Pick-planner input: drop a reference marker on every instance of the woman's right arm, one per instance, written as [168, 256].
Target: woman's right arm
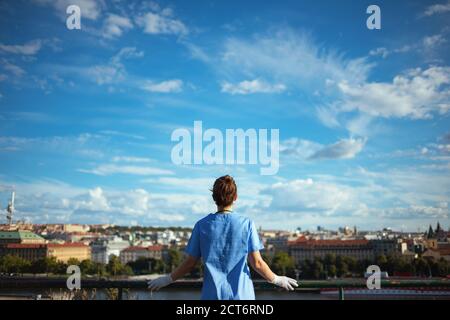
[260, 266]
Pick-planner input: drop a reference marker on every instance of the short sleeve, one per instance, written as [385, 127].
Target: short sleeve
[254, 243]
[193, 246]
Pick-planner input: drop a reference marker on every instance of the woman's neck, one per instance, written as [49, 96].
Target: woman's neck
[222, 209]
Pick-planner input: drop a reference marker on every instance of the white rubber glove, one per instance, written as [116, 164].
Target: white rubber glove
[284, 282]
[160, 282]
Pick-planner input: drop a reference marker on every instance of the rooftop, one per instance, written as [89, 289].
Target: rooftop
[302, 241]
[67, 245]
[19, 235]
[149, 248]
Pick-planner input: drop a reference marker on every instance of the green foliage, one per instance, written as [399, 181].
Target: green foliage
[174, 258]
[13, 264]
[115, 267]
[282, 263]
[342, 266]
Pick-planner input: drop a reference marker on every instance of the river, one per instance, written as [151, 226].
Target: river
[194, 294]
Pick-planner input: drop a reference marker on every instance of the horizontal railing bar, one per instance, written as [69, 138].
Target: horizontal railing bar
[54, 283]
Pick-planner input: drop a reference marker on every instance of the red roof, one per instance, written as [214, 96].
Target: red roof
[149, 248]
[156, 247]
[444, 251]
[320, 243]
[66, 245]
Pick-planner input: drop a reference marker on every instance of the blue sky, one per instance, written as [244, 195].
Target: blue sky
[86, 115]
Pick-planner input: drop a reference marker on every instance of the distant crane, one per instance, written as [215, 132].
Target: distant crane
[10, 209]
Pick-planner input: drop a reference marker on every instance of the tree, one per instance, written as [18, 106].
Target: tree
[174, 259]
[332, 270]
[382, 261]
[92, 268]
[13, 264]
[114, 266]
[422, 267]
[73, 261]
[282, 263]
[442, 268]
[342, 267]
[318, 270]
[330, 259]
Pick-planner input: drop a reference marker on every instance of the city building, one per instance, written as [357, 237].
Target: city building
[20, 236]
[386, 247]
[303, 249]
[103, 249]
[30, 252]
[81, 228]
[134, 253]
[65, 251]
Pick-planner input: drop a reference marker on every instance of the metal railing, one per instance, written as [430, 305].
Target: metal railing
[23, 283]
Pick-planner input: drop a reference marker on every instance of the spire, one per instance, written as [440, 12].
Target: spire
[430, 233]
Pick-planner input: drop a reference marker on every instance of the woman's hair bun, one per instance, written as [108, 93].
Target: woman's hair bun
[224, 191]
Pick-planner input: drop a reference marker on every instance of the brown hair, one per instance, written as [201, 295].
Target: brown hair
[224, 191]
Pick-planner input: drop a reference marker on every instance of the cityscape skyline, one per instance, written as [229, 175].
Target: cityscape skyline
[297, 229]
[363, 115]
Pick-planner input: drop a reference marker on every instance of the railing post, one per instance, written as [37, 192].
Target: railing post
[341, 293]
[119, 293]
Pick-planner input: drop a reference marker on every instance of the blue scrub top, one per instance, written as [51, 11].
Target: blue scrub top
[223, 241]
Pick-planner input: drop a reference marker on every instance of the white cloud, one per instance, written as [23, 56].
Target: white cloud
[381, 51]
[432, 41]
[12, 69]
[155, 23]
[384, 52]
[167, 86]
[114, 71]
[437, 9]
[441, 210]
[197, 52]
[186, 184]
[51, 201]
[288, 57]
[252, 86]
[115, 25]
[90, 9]
[29, 48]
[95, 200]
[342, 149]
[107, 74]
[426, 45]
[415, 94]
[130, 159]
[85, 144]
[306, 195]
[378, 199]
[305, 149]
[109, 169]
[299, 148]
[328, 115]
